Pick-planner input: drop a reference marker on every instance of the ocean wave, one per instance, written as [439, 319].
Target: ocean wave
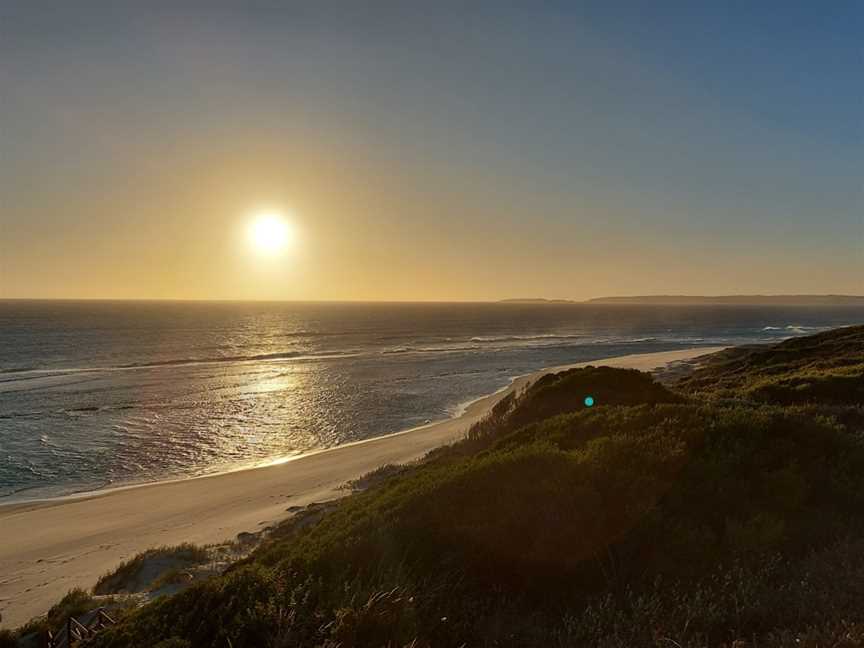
[15, 415]
[795, 328]
[524, 342]
[46, 442]
[491, 339]
[315, 334]
[279, 355]
[803, 330]
[22, 374]
[413, 349]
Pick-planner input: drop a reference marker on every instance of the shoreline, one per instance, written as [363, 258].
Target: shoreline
[460, 411]
[11, 501]
[52, 545]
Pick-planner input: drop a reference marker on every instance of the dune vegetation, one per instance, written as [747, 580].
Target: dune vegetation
[819, 369]
[149, 567]
[727, 507]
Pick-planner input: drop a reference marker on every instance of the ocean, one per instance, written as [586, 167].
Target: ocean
[101, 394]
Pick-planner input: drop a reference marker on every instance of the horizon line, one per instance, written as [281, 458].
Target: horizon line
[551, 300]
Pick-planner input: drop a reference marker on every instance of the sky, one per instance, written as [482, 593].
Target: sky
[431, 151]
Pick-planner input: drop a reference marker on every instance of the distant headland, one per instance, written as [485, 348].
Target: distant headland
[537, 300]
[686, 300]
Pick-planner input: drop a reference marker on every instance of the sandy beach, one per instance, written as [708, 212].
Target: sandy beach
[49, 547]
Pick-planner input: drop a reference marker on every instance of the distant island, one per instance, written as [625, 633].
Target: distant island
[536, 300]
[687, 300]
[742, 300]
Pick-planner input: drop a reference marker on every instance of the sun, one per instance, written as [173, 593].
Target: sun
[269, 232]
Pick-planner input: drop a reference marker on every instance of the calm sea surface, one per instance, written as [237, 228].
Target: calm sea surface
[95, 394]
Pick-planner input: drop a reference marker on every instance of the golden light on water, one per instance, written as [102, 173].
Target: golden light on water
[270, 232]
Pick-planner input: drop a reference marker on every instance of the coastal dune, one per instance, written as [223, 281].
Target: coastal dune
[49, 547]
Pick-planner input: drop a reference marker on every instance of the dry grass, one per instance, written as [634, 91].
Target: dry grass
[141, 572]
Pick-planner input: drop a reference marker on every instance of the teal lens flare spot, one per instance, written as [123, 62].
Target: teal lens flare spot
[589, 401]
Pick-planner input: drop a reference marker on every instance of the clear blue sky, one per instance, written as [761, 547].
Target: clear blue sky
[428, 150]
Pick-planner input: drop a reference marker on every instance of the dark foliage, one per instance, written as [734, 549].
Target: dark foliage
[827, 368]
[560, 393]
[566, 391]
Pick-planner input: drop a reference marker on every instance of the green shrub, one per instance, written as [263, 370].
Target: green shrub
[564, 392]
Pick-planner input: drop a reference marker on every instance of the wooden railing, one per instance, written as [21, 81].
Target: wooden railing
[75, 631]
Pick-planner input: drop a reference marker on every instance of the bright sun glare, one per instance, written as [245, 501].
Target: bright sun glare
[269, 232]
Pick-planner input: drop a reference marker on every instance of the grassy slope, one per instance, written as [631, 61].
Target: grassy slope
[651, 516]
[824, 368]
